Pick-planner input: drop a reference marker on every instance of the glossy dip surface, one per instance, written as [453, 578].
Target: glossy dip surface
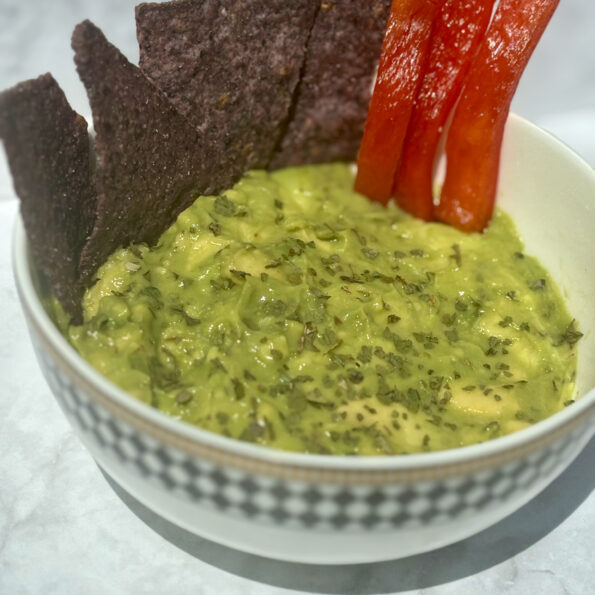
[292, 312]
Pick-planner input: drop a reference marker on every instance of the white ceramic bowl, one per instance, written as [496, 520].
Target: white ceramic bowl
[338, 510]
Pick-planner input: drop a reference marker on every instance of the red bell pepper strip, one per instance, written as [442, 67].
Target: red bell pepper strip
[456, 35]
[402, 58]
[475, 136]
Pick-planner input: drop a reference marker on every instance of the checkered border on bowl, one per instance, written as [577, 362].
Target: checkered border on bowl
[301, 497]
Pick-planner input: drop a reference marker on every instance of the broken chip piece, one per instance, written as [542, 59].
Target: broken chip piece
[48, 152]
[151, 163]
[230, 67]
[329, 114]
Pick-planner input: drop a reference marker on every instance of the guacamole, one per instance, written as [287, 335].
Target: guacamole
[292, 312]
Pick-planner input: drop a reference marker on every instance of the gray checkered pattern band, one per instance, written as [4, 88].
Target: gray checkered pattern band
[295, 503]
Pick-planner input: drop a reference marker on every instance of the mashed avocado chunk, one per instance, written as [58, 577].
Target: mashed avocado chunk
[292, 312]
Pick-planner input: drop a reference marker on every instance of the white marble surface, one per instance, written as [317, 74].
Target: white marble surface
[64, 529]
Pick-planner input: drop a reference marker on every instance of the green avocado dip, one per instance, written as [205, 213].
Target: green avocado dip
[294, 313]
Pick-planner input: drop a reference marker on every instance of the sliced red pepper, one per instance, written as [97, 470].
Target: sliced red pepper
[475, 136]
[456, 35]
[403, 55]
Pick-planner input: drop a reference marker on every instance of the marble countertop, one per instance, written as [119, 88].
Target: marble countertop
[65, 529]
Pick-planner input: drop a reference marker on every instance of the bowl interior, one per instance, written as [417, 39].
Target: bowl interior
[550, 193]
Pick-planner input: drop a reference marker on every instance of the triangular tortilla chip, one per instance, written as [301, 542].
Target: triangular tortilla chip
[328, 118]
[231, 67]
[150, 163]
[48, 151]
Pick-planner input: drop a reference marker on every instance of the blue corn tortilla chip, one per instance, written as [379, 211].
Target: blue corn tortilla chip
[329, 114]
[151, 163]
[230, 67]
[48, 152]
[229, 85]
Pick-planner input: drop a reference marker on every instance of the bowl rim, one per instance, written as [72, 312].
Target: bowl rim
[223, 450]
